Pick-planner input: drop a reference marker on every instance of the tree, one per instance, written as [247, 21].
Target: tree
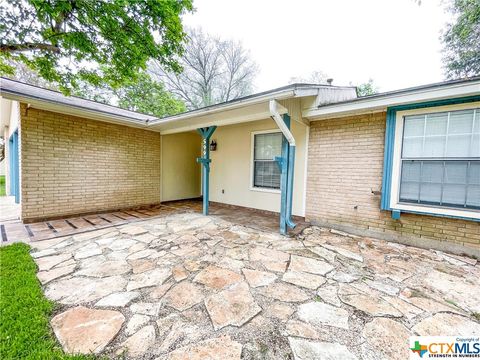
[95, 41]
[150, 97]
[143, 95]
[461, 40]
[316, 77]
[26, 75]
[367, 88]
[214, 71]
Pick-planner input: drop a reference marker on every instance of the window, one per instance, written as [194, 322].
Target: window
[266, 172]
[440, 159]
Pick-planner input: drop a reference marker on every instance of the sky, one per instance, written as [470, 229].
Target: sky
[394, 42]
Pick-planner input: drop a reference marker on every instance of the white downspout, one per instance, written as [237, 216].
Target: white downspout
[273, 105]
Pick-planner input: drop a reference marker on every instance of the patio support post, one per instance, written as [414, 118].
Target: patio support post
[287, 164]
[205, 160]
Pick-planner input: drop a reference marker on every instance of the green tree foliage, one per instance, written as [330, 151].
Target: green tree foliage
[367, 88]
[461, 40]
[149, 97]
[143, 94]
[108, 41]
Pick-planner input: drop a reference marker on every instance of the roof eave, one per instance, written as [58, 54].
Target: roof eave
[293, 91]
[223, 107]
[45, 104]
[383, 101]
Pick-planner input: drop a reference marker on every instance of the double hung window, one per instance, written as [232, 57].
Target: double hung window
[266, 173]
[440, 159]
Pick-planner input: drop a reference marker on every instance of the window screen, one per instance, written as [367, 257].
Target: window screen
[441, 159]
[266, 173]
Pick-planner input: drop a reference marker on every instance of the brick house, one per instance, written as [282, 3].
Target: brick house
[403, 166]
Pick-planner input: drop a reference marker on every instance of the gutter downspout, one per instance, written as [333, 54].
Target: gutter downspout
[273, 105]
[287, 165]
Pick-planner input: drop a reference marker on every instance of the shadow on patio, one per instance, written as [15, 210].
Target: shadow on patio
[14, 230]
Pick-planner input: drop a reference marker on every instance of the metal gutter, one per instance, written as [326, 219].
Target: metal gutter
[15, 90]
[285, 92]
[437, 91]
[86, 112]
[220, 107]
[414, 89]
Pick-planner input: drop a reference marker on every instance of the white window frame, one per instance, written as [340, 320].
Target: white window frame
[252, 161]
[395, 203]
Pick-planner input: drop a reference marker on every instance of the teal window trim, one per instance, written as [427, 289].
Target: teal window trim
[388, 158]
[390, 142]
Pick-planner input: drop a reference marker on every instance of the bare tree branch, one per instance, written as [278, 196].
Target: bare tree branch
[214, 71]
[6, 48]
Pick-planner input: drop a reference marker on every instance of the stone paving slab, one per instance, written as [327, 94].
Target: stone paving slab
[186, 286]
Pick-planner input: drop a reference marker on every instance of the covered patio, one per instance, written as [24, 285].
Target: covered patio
[134, 160]
[13, 230]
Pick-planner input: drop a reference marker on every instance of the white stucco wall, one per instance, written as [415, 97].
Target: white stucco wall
[179, 170]
[231, 167]
[9, 121]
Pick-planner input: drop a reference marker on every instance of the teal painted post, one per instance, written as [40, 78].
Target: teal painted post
[205, 160]
[290, 170]
[286, 163]
[283, 163]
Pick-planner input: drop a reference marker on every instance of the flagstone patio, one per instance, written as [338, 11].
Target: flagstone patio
[186, 286]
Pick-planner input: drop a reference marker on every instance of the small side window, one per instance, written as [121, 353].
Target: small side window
[266, 173]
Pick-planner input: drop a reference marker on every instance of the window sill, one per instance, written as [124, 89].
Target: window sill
[437, 211]
[273, 191]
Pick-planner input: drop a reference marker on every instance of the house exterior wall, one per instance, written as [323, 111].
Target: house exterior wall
[180, 170]
[10, 111]
[231, 167]
[72, 165]
[345, 163]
